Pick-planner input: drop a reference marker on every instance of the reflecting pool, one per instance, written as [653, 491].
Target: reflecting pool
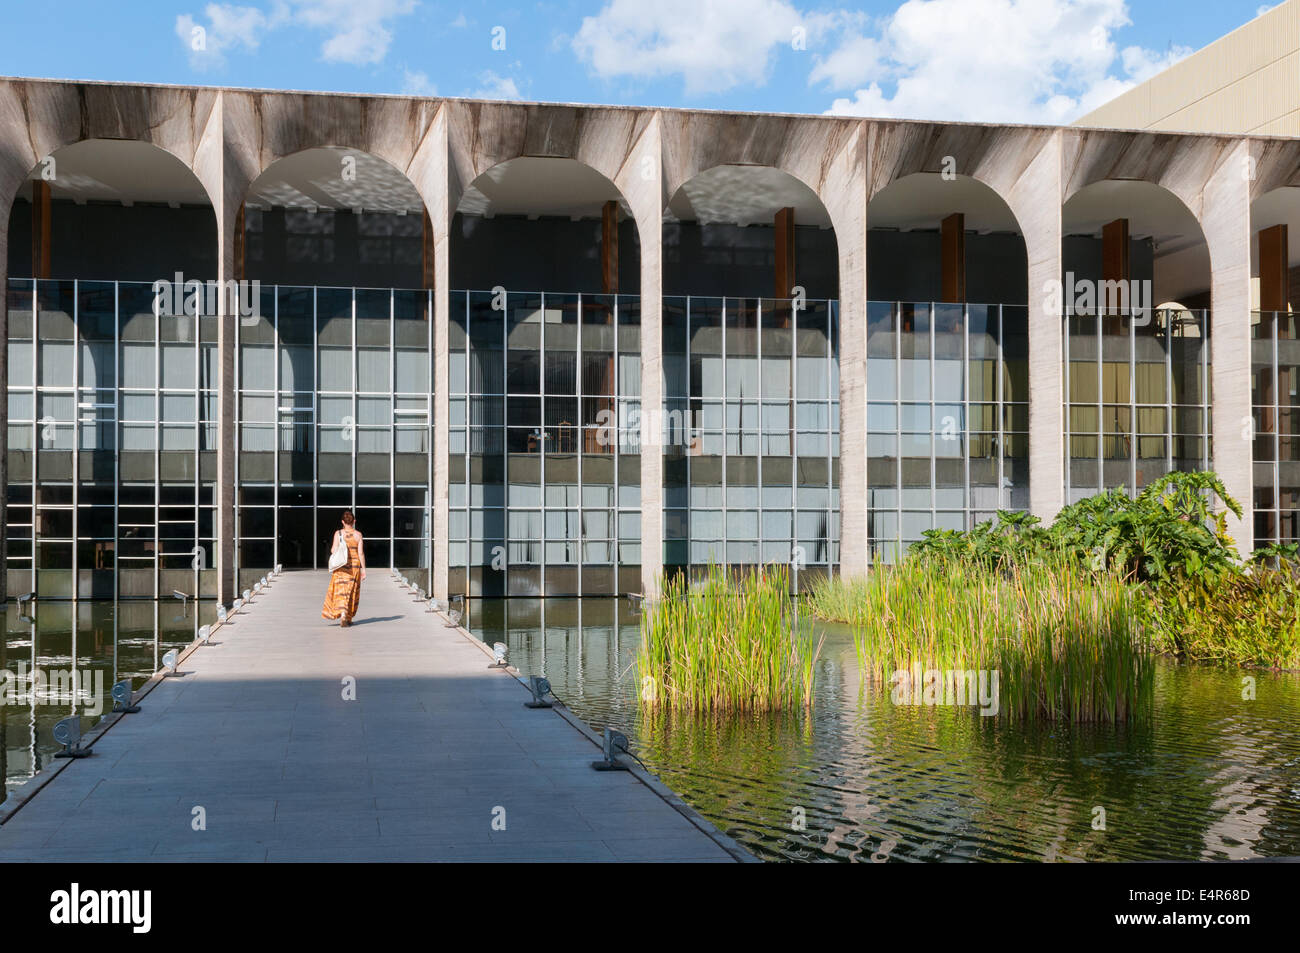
[1212, 776]
[63, 658]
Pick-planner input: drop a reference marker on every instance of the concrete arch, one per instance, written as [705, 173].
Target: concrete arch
[924, 199]
[1155, 210]
[183, 122]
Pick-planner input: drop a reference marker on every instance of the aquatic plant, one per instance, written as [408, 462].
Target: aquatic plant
[730, 642]
[1064, 644]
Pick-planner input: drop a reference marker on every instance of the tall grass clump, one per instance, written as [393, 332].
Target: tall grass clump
[1067, 645]
[726, 643]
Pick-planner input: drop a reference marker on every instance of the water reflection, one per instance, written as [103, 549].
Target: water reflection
[1211, 776]
[63, 658]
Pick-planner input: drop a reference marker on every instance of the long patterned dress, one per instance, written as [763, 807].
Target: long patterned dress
[344, 593]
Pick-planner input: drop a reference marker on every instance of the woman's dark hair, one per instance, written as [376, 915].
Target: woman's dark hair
[348, 518]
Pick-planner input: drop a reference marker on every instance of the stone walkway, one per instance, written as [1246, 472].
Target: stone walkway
[258, 743]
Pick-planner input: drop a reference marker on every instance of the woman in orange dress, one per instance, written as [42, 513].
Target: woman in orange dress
[345, 582]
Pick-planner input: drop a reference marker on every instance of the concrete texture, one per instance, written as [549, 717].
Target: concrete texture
[258, 734]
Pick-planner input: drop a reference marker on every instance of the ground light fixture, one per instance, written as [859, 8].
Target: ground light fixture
[499, 654]
[262, 583]
[613, 743]
[169, 662]
[205, 634]
[279, 568]
[248, 595]
[540, 687]
[221, 613]
[68, 733]
[436, 605]
[236, 605]
[124, 697]
[454, 615]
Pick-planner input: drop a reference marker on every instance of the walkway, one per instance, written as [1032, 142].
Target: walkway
[256, 755]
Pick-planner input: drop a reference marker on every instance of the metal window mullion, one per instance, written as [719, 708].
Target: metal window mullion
[898, 429]
[275, 432]
[582, 532]
[430, 436]
[315, 419]
[968, 495]
[76, 446]
[934, 488]
[1132, 403]
[1001, 410]
[392, 433]
[356, 382]
[198, 443]
[1101, 403]
[726, 440]
[1067, 406]
[36, 450]
[541, 430]
[1277, 433]
[157, 453]
[117, 451]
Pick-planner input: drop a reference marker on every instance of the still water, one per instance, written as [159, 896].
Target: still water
[62, 658]
[1212, 776]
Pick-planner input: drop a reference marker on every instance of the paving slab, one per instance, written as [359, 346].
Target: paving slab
[290, 738]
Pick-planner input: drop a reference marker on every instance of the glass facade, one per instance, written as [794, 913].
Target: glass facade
[335, 392]
[112, 431]
[1275, 389]
[112, 443]
[1137, 399]
[947, 418]
[751, 435]
[544, 488]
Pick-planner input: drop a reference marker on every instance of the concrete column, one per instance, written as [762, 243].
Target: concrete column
[848, 209]
[213, 169]
[430, 170]
[641, 181]
[1225, 220]
[1036, 200]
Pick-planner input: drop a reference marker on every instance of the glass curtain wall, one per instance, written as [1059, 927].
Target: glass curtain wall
[947, 418]
[545, 472]
[751, 454]
[1275, 385]
[1137, 399]
[112, 442]
[335, 399]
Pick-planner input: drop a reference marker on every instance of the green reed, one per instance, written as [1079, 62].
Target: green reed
[729, 642]
[1067, 644]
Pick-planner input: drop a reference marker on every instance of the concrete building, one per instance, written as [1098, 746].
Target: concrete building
[1245, 83]
[557, 349]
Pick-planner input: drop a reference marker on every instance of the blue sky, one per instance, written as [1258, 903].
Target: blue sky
[991, 60]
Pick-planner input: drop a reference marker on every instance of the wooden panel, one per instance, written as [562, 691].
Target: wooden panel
[1274, 275]
[1114, 267]
[40, 229]
[952, 242]
[609, 248]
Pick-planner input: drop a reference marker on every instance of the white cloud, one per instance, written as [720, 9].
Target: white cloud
[416, 83]
[495, 87]
[356, 31]
[713, 45]
[855, 61]
[460, 22]
[992, 60]
[229, 27]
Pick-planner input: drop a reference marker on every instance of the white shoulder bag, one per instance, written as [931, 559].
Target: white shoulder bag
[339, 558]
